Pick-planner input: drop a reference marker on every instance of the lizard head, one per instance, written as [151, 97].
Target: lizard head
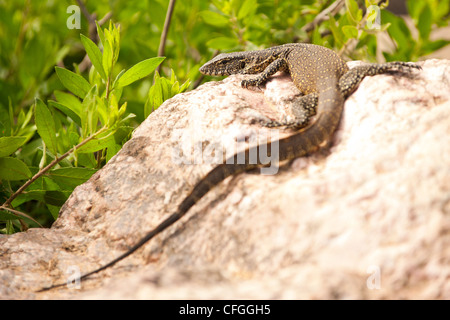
[224, 64]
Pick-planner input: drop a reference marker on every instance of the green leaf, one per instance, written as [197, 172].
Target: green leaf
[9, 227]
[440, 11]
[54, 210]
[112, 150]
[67, 111]
[415, 8]
[23, 121]
[37, 195]
[33, 59]
[70, 101]
[116, 41]
[5, 215]
[111, 47]
[117, 78]
[94, 54]
[155, 96]
[353, 10]
[100, 33]
[425, 22]
[247, 9]
[350, 32]
[165, 87]
[11, 113]
[139, 71]
[222, 43]
[184, 86]
[214, 19]
[107, 60]
[436, 45]
[13, 169]
[73, 82]
[9, 145]
[46, 125]
[5, 124]
[398, 30]
[102, 110]
[89, 113]
[55, 198]
[335, 31]
[97, 144]
[69, 178]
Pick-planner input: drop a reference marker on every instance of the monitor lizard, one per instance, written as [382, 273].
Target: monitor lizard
[321, 76]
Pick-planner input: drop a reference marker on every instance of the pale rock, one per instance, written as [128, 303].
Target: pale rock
[367, 218]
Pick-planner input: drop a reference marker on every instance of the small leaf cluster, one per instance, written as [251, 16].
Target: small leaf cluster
[415, 42]
[161, 90]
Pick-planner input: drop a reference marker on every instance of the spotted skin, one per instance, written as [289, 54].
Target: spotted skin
[321, 76]
[305, 106]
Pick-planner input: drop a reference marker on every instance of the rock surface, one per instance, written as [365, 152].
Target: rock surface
[367, 218]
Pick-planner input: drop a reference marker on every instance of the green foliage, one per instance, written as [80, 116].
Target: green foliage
[76, 134]
[62, 119]
[426, 15]
[352, 31]
[161, 90]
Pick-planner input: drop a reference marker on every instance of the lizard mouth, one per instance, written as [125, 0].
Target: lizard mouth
[211, 71]
[202, 69]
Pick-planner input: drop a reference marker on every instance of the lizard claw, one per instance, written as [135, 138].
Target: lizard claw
[251, 83]
[247, 83]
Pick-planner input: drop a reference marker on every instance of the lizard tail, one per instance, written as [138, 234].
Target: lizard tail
[300, 144]
[213, 178]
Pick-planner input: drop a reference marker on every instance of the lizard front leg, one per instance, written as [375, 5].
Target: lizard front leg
[302, 109]
[261, 78]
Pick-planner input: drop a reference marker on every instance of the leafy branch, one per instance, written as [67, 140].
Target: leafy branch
[79, 131]
[47, 168]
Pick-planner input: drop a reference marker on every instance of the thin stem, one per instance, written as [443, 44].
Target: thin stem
[162, 43]
[18, 213]
[49, 166]
[322, 16]
[85, 11]
[108, 82]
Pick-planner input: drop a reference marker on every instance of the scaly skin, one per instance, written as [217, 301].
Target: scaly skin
[318, 73]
